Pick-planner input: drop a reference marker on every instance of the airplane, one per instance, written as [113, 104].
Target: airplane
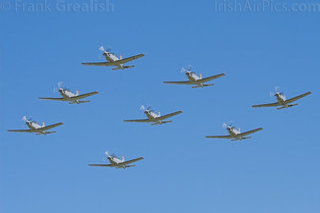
[194, 79]
[282, 101]
[113, 60]
[68, 95]
[34, 127]
[235, 134]
[153, 117]
[117, 162]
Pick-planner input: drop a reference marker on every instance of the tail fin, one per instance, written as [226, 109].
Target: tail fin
[77, 92]
[43, 124]
[123, 158]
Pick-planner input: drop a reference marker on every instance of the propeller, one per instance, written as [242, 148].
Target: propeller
[106, 155]
[184, 70]
[225, 125]
[26, 120]
[55, 89]
[143, 108]
[101, 48]
[276, 90]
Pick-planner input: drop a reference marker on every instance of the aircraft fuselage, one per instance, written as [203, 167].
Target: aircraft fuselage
[66, 93]
[192, 76]
[151, 114]
[33, 125]
[116, 161]
[112, 58]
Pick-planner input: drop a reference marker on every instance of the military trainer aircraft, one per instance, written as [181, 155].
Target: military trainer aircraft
[68, 95]
[34, 127]
[117, 162]
[153, 117]
[194, 79]
[282, 101]
[235, 134]
[113, 60]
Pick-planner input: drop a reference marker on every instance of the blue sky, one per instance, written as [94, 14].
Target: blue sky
[275, 171]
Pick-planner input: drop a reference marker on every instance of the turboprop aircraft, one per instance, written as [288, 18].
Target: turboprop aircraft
[235, 134]
[282, 101]
[68, 95]
[153, 117]
[34, 127]
[117, 162]
[113, 60]
[194, 79]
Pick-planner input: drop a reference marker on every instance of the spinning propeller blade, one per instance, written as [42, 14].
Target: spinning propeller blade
[106, 155]
[184, 70]
[143, 108]
[226, 125]
[101, 48]
[59, 87]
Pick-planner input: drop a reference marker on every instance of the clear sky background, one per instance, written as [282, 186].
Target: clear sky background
[275, 171]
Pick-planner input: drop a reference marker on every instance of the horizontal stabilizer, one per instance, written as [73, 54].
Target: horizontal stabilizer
[162, 122]
[291, 105]
[46, 133]
[122, 68]
[203, 85]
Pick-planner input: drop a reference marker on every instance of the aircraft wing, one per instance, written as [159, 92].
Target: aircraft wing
[99, 64]
[49, 127]
[139, 120]
[84, 95]
[102, 165]
[125, 60]
[130, 161]
[250, 132]
[178, 82]
[297, 97]
[169, 115]
[21, 130]
[220, 136]
[267, 105]
[203, 80]
[53, 99]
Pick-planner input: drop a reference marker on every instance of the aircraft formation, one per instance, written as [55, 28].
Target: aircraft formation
[155, 118]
